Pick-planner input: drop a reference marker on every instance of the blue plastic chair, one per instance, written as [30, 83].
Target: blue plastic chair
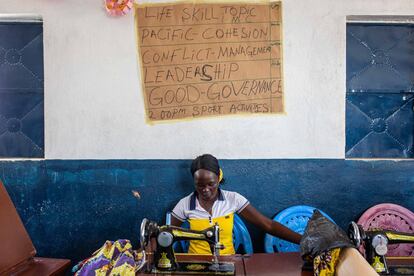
[241, 237]
[295, 218]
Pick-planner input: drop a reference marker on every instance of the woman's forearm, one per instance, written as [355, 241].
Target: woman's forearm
[283, 232]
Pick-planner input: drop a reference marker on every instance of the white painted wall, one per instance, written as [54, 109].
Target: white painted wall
[94, 106]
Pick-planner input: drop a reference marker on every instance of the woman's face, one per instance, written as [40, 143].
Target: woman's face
[206, 184]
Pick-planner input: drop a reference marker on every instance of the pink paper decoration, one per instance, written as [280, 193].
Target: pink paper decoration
[118, 7]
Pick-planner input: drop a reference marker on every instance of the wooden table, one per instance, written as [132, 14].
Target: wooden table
[256, 264]
[42, 266]
[262, 264]
[286, 264]
[406, 264]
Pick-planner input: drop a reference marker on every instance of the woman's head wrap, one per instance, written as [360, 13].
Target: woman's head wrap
[207, 162]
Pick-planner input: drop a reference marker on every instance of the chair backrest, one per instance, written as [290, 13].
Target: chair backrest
[295, 218]
[15, 241]
[391, 217]
[241, 237]
[17, 247]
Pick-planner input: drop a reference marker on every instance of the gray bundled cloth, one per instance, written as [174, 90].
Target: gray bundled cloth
[322, 235]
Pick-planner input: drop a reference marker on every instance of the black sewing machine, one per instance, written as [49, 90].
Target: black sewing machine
[164, 258]
[376, 245]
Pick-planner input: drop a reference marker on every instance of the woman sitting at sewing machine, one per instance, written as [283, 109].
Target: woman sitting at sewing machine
[209, 204]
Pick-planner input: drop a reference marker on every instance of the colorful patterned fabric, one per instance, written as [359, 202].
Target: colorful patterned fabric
[113, 258]
[325, 263]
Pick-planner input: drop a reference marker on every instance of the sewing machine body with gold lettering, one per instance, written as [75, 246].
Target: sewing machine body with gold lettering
[164, 260]
[376, 243]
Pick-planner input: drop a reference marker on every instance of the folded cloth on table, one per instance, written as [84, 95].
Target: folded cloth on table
[113, 258]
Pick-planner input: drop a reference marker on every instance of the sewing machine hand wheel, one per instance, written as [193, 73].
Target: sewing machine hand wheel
[356, 233]
[143, 236]
[147, 229]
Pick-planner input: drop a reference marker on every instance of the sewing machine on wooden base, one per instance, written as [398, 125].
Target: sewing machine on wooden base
[376, 247]
[164, 260]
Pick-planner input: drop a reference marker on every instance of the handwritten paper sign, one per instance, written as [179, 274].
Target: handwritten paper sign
[210, 59]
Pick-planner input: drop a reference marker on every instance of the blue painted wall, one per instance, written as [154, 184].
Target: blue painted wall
[71, 207]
